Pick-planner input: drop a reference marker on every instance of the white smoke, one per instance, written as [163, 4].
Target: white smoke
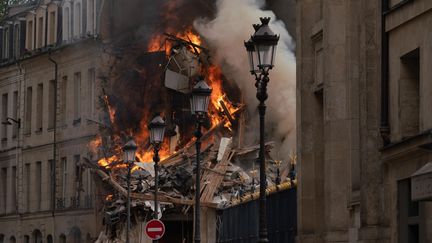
[225, 35]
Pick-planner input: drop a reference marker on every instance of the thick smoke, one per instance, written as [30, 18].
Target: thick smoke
[225, 35]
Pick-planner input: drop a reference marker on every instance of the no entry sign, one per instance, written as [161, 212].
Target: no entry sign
[155, 229]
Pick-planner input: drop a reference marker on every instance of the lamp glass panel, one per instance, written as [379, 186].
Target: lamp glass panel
[264, 54]
[273, 54]
[200, 104]
[129, 155]
[157, 134]
[251, 61]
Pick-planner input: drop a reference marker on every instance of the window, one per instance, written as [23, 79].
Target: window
[51, 104]
[6, 33]
[77, 180]
[410, 215]
[26, 239]
[30, 35]
[63, 100]
[77, 20]
[39, 35]
[38, 185]
[16, 48]
[27, 186]
[62, 238]
[64, 177]
[409, 92]
[50, 181]
[4, 116]
[77, 97]
[15, 114]
[90, 16]
[52, 28]
[39, 107]
[66, 24]
[91, 93]
[28, 116]
[14, 188]
[3, 190]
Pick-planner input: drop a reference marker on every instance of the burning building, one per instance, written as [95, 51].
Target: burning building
[106, 69]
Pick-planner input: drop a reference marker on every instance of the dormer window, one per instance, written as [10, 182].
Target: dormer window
[6, 33]
[40, 27]
[67, 30]
[78, 19]
[91, 17]
[30, 32]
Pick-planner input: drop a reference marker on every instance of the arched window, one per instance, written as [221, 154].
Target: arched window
[12, 239]
[2, 238]
[88, 238]
[26, 239]
[66, 23]
[75, 234]
[49, 239]
[36, 236]
[62, 238]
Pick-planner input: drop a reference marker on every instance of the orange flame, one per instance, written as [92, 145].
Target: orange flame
[109, 197]
[218, 97]
[158, 42]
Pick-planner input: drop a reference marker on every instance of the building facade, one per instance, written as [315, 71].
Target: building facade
[363, 120]
[49, 111]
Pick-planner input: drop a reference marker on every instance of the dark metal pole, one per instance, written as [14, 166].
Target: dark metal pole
[156, 160]
[128, 202]
[198, 136]
[262, 97]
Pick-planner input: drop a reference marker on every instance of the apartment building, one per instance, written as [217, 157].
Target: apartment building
[363, 120]
[50, 58]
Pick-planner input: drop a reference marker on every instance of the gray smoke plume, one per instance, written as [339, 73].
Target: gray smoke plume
[225, 34]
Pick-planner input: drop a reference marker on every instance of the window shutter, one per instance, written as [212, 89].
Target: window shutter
[22, 39]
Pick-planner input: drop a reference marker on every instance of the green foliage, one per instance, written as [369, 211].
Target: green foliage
[5, 3]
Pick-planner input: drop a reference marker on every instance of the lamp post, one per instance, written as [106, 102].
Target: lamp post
[199, 106]
[129, 151]
[157, 131]
[261, 50]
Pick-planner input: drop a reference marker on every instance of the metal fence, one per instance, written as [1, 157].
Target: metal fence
[239, 224]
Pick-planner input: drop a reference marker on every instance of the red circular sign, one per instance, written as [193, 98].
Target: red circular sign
[155, 229]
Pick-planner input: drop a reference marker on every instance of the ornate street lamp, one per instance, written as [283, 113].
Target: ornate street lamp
[129, 151]
[261, 50]
[157, 130]
[199, 105]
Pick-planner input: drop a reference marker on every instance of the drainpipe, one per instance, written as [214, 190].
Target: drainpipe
[54, 163]
[384, 126]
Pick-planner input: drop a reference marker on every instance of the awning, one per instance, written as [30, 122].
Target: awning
[421, 184]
